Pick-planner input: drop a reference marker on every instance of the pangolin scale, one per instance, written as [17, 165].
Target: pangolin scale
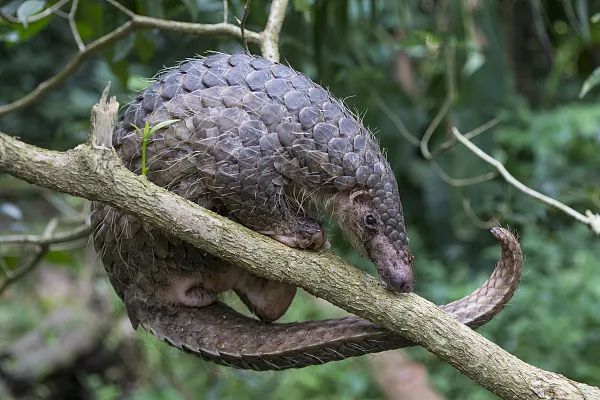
[261, 144]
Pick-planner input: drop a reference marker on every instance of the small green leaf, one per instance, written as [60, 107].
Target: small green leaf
[29, 8]
[590, 82]
[146, 133]
[162, 124]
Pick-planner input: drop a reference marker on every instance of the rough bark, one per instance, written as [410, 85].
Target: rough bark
[97, 174]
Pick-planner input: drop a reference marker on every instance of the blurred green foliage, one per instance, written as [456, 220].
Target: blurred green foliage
[522, 62]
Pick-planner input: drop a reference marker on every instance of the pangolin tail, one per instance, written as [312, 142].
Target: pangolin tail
[222, 335]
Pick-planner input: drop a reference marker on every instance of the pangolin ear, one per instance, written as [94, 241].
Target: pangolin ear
[358, 195]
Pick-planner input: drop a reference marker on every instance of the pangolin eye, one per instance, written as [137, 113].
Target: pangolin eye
[370, 220]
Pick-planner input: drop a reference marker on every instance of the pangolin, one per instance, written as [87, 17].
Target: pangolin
[263, 145]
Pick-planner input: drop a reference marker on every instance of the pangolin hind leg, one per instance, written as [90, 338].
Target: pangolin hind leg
[268, 300]
[272, 216]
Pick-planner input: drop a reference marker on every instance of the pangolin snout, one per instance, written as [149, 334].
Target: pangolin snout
[398, 276]
[394, 265]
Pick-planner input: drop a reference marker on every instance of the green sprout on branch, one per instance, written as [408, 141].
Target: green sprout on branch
[146, 133]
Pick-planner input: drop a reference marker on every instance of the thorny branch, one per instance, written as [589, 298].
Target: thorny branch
[268, 40]
[590, 219]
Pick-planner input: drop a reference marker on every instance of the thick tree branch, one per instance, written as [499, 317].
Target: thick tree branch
[97, 174]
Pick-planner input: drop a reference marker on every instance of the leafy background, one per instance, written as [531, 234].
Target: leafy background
[523, 63]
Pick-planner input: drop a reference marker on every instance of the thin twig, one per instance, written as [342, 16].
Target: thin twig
[270, 36]
[590, 219]
[47, 239]
[121, 8]
[36, 17]
[190, 27]
[448, 144]
[62, 206]
[466, 204]
[4, 267]
[450, 95]
[243, 24]
[50, 227]
[137, 22]
[461, 182]
[397, 121]
[21, 272]
[43, 243]
[68, 70]
[225, 11]
[73, 26]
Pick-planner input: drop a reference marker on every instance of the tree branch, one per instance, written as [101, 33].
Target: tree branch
[97, 174]
[198, 29]
[43, 244]
[21, 272]
[268, 39]
[270, 36]
[137, 22]
[47, 240]
[68, 70]
[73, 26]
[36, 17]
[590, 219]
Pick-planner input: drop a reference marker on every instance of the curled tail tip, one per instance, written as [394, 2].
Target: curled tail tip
[500, 232]
[508, 238]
